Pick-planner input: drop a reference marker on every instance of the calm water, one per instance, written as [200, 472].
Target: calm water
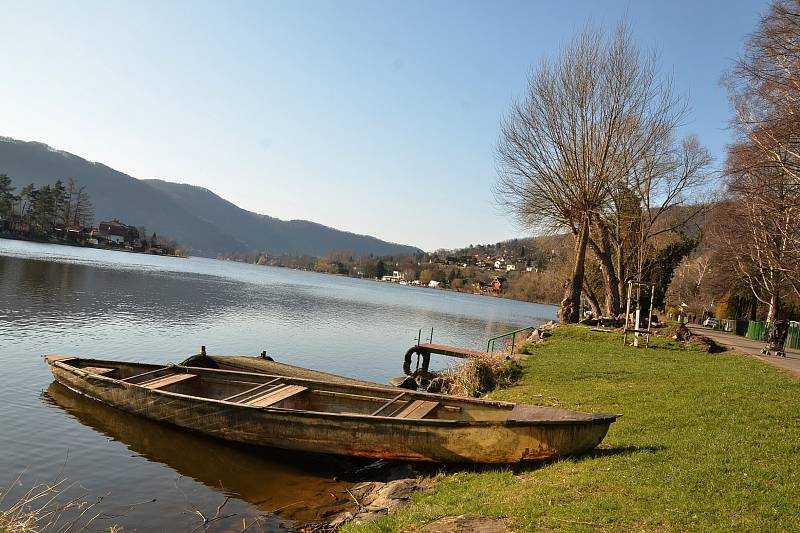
[58, 299]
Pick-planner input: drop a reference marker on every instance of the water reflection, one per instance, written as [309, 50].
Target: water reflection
[298, 486]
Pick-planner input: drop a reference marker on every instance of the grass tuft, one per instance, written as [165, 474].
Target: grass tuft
[482, 374]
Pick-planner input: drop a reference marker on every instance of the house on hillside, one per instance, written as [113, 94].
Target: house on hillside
[494, 287]
[115, 232]
[497, 285]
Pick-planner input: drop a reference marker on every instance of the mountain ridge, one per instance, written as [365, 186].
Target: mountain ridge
[195, 216]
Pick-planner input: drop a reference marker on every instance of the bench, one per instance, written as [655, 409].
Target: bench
[416, 409]
[274, 396]
[164, 381]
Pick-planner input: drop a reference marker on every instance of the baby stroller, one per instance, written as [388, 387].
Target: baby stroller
[777, 339]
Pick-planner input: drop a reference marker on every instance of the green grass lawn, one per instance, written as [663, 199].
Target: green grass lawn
[706, 443]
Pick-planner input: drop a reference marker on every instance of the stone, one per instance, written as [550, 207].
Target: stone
[682, 333]
[409, 383]
[366, 516]
[340, 519]
[391, 496]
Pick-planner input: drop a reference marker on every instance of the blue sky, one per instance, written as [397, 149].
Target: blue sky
[373, 117]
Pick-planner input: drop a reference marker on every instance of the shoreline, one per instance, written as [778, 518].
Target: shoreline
[447, 289]
[56, 242]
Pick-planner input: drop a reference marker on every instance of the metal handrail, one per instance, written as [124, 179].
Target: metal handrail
[513, 334]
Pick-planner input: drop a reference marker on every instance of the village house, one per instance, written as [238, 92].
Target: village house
[396, 277]
[494, 287]
[115, 232]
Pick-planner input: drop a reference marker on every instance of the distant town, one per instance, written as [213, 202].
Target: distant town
[530, 269]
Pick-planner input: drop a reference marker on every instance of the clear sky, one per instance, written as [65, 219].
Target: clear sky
[373, 117]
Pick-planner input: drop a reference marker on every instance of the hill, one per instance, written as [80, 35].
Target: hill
[194, 216]
[262, 232]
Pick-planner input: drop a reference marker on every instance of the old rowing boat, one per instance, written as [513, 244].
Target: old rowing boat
[322, 417]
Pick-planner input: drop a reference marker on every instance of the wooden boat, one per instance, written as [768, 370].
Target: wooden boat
[321, 417]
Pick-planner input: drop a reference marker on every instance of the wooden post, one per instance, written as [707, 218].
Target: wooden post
[627, 312]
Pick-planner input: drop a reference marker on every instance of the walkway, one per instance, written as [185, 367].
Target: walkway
[790, 363]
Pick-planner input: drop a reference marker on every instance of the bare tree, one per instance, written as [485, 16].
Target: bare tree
[762, 227]
[764, 164]
[655, 197]
[82, 211]
[588, 119]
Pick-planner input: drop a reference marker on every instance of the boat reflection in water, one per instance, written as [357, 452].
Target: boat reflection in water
[298, 487]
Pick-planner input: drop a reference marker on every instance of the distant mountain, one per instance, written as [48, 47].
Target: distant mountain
[192, 215]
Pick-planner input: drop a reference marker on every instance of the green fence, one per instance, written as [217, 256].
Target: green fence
[793, 339]
[759, 331]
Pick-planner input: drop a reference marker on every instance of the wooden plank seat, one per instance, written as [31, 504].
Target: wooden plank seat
[252, 392]
[101, 370]
[274, 396]
[416, 409]
[165, 381]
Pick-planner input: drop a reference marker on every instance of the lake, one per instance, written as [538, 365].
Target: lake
[97, 303]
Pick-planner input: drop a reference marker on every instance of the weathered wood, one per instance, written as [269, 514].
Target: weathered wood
[102, 371]
[417, 409]
[451, 351]
[238, 397]
[256, 364]
[349, 396]
[388, 404]
[163, 368]
[325, 417]
[54, 358]
[165, 381]
[273, 397]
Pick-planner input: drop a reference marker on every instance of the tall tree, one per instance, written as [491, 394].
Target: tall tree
[7, 197]
[588, 119]
[764, 164]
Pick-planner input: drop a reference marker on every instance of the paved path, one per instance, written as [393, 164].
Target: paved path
[744, 345]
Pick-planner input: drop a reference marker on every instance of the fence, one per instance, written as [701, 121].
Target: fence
[759, 331]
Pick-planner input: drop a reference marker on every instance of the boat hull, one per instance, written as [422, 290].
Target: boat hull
[361, 436]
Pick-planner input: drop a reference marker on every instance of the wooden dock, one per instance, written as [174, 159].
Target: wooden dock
[451, 351]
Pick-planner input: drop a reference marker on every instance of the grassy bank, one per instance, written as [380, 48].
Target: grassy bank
[706, 443]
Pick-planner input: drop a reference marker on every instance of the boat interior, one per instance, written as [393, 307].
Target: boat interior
[263, 390]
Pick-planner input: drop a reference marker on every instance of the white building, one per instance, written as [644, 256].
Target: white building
[396, 277]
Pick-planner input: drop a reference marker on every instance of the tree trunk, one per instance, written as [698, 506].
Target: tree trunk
[613, 303]
[593, 301]
[571, 304]
[774, 299]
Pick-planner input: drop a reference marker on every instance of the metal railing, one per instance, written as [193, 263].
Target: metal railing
[512, 334]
